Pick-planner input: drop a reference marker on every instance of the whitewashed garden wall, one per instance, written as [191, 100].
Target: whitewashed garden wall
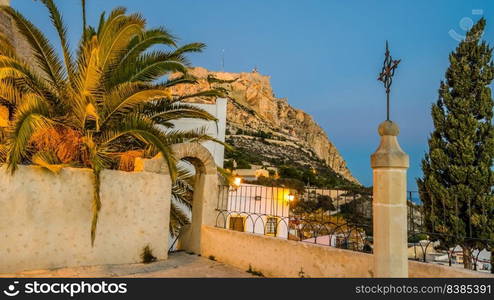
[45, 218]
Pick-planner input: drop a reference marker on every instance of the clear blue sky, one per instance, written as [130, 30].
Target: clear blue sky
[324, 56]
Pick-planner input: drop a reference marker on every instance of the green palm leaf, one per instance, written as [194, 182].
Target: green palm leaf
[12, 68]
[148, 67]
[58, 23]
[127, 97]
[148, 39]
[209, 93]
[115, 38]
[3, 149]
[31, 116]
[163, 111]
[48, 160]
[43, 52]
[145, 129]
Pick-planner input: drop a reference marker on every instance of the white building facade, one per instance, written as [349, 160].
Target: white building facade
[256, 209]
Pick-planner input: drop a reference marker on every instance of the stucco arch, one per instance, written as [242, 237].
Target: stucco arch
[205, 193]
[205, 189]
[194, 153]
[197, 155]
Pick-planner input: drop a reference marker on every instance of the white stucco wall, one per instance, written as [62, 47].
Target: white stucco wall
[45, 218]
[214, 129]
[276, 257]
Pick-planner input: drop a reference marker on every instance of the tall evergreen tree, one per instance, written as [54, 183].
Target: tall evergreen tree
[456, 188]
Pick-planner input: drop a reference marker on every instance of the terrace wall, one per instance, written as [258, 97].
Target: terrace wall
[276, 257]
[45, 218]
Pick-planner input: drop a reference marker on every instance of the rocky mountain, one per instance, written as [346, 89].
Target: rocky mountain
[266, 126]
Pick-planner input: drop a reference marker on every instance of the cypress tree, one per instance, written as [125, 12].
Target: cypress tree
[456, 188]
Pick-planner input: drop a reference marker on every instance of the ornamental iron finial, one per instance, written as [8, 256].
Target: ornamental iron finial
[386, 75]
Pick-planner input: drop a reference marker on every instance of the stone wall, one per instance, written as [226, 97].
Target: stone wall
[276, 257]
[45, 218]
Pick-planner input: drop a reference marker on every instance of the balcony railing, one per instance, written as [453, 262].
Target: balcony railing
[333, 217]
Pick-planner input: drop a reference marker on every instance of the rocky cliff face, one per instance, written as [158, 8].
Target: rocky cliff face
[254, 109]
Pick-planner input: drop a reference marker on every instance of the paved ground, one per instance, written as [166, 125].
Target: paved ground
[179, 264]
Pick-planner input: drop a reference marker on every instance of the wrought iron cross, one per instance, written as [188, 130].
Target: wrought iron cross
[386, 76]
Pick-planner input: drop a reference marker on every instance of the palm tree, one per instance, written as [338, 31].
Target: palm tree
[92, 108]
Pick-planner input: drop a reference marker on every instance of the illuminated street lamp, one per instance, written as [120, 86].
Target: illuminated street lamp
[237, 181]
[291, 197]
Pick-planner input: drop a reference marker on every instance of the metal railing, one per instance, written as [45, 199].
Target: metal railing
[330, 217]
[432, 237]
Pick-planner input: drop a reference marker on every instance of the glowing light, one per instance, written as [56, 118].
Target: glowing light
[237, 181]
[291, 197]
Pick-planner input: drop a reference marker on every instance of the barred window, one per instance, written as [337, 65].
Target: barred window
[237, 223]
[271, 225]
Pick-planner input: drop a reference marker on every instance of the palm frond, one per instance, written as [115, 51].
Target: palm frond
[213, 79]
[88, 72]
[183, 79]
[58, 23]
[127, 97]
[198, 135]
[12, 68]
[6, 47]
[209, 93]
[48, 160]
[99, 160]
[182, 194]
[178, 219]
[87, 79]
[145, 129]
[147, 67]
[163, 111]
[31, 116]
[117, 36]
[43, 52]
[3, 152]
[84, 23]
[192, 47]
[96, 203]
[10, 94]
[149, 38]
[116, 14]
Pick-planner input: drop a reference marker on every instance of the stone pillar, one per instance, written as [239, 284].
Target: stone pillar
[390, 164]
[203, 212]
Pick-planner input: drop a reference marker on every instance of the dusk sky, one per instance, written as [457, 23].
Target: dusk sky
[324, 56]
